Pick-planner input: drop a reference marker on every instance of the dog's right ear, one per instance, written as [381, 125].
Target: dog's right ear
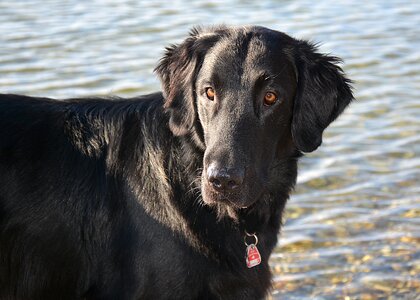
[178, 71]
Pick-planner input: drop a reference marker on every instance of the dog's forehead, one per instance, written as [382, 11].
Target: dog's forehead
[247, 52]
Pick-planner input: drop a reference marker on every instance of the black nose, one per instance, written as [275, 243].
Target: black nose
[223, 179]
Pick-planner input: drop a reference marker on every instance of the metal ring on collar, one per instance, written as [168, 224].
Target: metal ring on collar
[250, 235]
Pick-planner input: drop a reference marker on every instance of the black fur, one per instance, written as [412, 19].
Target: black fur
[109, 198]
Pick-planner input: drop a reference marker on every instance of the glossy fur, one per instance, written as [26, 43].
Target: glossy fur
[109, 199]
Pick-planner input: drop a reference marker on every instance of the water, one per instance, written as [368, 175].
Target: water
[353, 223]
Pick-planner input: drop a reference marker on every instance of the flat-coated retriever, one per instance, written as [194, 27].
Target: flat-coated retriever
[173, 195]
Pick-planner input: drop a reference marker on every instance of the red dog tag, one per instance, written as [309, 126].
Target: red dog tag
[253, 257]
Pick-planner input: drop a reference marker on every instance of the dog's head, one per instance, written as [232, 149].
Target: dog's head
[249, 97]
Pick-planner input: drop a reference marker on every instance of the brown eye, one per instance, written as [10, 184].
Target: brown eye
[210, 93]
[270, 98]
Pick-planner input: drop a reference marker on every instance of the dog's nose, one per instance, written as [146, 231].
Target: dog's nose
[223, 179]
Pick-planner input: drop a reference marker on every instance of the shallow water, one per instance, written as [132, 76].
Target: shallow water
[353, 224]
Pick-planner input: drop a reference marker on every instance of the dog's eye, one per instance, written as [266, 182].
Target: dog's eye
[210, 93]
[270, 98]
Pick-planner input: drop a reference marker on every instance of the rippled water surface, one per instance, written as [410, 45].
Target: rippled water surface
[353, 224]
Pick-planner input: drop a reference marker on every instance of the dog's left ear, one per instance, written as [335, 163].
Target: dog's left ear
[322, 94]
[178, 71]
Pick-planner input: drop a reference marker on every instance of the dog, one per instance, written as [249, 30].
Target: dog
[172, 195]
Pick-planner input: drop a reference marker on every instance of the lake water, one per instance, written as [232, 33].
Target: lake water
[353, 224]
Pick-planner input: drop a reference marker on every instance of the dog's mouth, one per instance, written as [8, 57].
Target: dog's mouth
[212, 197]
[227, 204]
[237, 200]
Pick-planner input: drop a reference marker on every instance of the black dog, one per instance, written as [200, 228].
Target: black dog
[155, 197]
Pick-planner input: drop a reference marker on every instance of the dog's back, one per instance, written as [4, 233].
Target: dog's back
[37, 237]
[60, 207]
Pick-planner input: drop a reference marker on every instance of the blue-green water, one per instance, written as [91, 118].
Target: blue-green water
[353, 223]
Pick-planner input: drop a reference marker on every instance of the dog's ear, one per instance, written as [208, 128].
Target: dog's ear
[323, 92]
[178, 71]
